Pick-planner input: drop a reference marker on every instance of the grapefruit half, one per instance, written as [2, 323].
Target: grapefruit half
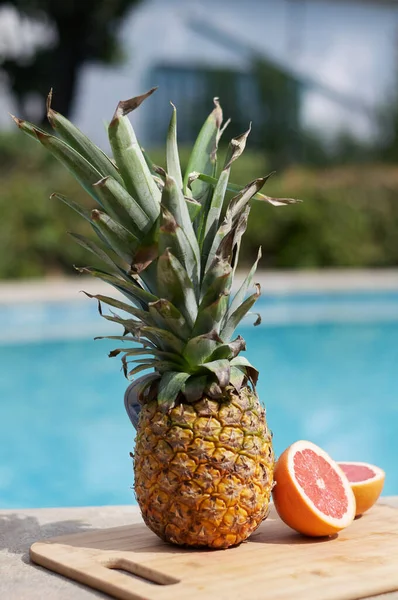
[311, 493]
[366, 481]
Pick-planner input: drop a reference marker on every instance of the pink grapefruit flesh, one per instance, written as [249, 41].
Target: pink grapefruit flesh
[312, 494]
[366, 481]
[321, 483]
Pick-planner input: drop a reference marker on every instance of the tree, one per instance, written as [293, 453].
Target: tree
[387, 142]
[86, 32]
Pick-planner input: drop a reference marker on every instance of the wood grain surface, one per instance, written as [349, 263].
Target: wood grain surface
[131, 563]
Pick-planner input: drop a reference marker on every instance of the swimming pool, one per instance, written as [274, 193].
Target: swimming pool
[328, 367]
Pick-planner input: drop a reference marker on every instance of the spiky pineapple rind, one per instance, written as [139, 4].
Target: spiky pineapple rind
[204, 471]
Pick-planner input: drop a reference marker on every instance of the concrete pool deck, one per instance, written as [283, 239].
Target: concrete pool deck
[272, 282]
[21, 580]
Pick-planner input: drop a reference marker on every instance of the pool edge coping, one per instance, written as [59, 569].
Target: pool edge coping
[273, 282]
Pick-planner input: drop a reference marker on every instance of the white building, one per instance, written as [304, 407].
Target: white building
[349, 46]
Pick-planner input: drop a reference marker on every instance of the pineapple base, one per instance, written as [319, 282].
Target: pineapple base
[204, 471]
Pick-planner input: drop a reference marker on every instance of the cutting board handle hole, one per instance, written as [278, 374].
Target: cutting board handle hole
[141, 572]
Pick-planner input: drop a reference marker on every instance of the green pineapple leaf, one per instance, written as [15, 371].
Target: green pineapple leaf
[172, 157]
[147, 253]
[173, 237]
[77, 140]
[242, 199]
[211, 225]
[141, 387]
[166, 340]
[148, 364]
[132, 352]
[97, 251]
[128, 339]
[233, 321]
[234, 211]
[203, 155]
[237, 378]
[228, 247]
[217, 281]
[130, 160]
[170, 356]
[199, 348]
[230, 350]
[161, 366]
[169, 252]
[121, 206]
[85, 173]
[130, 325]
[83, 212]
[194, 388]
[167, 316]
[194, 207]
[233, 187]
[174, 201]
[210, 317]
[242, 363]
[170, 386]
[131, 289]
[175, 285]
[151, 165]
[28, 128]
[136, 312]
[118, 237]
[221, 369]
[247, 283]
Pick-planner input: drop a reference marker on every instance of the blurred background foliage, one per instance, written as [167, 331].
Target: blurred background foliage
[349, 186]
[349, 217]
[85, 31]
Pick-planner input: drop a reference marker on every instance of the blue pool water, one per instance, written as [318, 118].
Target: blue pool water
[329, 373]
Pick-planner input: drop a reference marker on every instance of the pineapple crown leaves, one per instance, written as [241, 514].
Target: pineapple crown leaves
[168, 250]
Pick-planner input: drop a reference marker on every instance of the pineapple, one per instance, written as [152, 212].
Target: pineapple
[203, 457]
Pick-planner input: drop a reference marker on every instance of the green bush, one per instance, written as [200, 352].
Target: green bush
[33, 228]
[349, 217]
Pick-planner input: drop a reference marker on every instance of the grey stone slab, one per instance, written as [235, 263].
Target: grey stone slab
[21, 580]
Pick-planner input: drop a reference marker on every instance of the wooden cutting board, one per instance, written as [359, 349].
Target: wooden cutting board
[131, 563]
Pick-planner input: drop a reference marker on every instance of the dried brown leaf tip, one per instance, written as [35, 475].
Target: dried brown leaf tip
[160, 171]
[192, 177]
[127, 106]
[217, 112]
[101, 182]
[237, 146]
[143, 258]
[16, 120]
[169, 224]
[48, 103]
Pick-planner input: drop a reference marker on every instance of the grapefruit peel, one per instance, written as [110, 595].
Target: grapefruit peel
[366, 482]
[305, 470]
